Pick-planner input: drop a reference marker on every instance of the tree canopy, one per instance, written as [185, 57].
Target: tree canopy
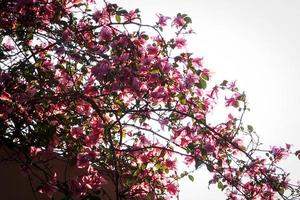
[124, 104]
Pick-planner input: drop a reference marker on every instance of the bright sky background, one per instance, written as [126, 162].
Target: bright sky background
[257, 43]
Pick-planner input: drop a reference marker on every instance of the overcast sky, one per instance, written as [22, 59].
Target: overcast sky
[257, 43]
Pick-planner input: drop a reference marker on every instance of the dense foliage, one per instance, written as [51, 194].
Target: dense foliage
[114, 98]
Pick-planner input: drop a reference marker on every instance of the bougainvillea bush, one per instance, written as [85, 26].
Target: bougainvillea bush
[123, 104]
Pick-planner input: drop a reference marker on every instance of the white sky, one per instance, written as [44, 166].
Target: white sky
[257, 43]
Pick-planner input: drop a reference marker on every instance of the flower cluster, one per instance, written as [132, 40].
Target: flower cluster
[119, 104]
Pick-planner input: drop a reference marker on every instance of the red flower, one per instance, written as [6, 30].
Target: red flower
[76, 132]
[34, 150]
[5, 96]
[49, 188]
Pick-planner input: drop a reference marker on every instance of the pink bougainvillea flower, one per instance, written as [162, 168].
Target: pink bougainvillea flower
[131, 16]
[178, 21]
[136, 84]
[214, 93]
[209, 148]
[152, 50]
[163, 122]
[114, 97]
[159, 92]
[106, 33]
[165, 66]
[233, 100]
[76, 132]
[83, 161]
[232, 85]
[102, 16]
[197, 62]
[172, 188]
[5, 96]
[170, 164]
[8, 43]
[47, 65]
[67, 35]
[206, 72]
[180, 43]
[191, 79]
[50, 187]
[279, 153]
[33, 151]
[101, 69]
[162, 20]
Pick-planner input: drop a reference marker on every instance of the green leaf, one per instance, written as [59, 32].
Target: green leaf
[202, 84]
[118, 18]
[158, 166]
[144, 166]
[182, 98]
[145, 37]
[122, 11]
[220, 185]
[281, 190]
[242, 97]
[167, 170]
[198, 163]
[188, 20]
[191, 178]
[205, 77]
[155, 71]
[209, 168]
[250, 128]
[297, 153]
[84, 70]
[198, 72]
[136, 172]
[224, 83]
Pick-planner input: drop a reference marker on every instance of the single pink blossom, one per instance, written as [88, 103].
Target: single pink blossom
[5, 96]
[163, 123]
[131, 15]
[180, 42]
[232, 85]
[170, 164]
[178, 21]
[152, 50]
[197, 62]
[172, 188]
[279, 153]
[162, 20]
[106, 33]
[191, 79]
[8, 44]
[233, 100]
[33, 151]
